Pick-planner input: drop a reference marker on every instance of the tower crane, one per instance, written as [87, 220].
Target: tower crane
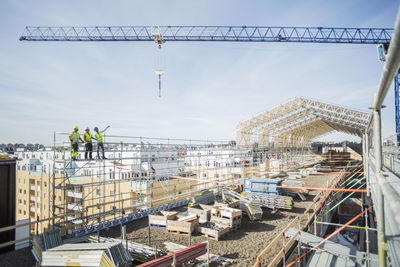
[361, 36]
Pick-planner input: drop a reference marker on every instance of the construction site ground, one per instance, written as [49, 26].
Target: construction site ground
[243, 246]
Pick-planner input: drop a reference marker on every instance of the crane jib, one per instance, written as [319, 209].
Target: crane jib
[210, 33]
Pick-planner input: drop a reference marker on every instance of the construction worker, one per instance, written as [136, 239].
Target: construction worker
[74, 138]
[99, 138]
[87, 137]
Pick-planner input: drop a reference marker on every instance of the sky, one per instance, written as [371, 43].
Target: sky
[208, 87]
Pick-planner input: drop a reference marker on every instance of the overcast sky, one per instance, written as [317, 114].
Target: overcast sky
[207, 88]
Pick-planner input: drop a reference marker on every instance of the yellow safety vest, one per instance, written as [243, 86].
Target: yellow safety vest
[99, 137]
[88, 137]
[75, 137]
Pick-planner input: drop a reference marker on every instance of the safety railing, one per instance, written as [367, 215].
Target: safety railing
[381, 180]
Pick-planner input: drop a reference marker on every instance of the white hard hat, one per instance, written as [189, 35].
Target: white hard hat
[87, 128]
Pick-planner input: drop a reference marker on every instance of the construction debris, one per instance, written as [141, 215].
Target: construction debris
[203, 197]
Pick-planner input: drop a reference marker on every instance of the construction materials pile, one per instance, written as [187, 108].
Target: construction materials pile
[258, 193]
[49, 250]
[203, 197]
[211, 221]
[139, 252]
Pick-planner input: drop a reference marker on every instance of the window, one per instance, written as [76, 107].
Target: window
[20, 191]
[44, 194]
[59, 198]
[19, 211]
[38, 183]
[24, 212]
[19, 180]
[24, 192]
[19, 201]
[24, 202]
[45, 184]
[24, 181]
[98, 192]
[44, 207]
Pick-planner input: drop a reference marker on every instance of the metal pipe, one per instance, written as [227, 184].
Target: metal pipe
[391, 66]
[366, 168]
[378, 175]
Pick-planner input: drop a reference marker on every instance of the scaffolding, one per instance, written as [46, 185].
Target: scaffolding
[143, 175]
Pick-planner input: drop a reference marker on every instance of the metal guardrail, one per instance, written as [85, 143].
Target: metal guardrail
[384, 184]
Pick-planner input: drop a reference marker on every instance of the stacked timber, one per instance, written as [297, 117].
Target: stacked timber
[203, 214]
[254, 212]
[226, 217]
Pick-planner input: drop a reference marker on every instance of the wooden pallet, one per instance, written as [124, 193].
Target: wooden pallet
[211, 233]
[184, 227]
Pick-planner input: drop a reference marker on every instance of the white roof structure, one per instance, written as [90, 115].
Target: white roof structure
[297, 122]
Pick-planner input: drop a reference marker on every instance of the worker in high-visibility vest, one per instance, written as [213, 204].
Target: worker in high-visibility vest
[99, 138]
[75, 137]
[87, 137]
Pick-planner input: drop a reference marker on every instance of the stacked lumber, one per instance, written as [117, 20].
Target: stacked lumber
[254, 212]
[203, 214]
[226, 217]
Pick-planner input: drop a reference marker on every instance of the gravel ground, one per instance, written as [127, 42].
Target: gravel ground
[243, 245]
[17, 258]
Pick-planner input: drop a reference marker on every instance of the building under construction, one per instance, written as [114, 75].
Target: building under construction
[266, 199]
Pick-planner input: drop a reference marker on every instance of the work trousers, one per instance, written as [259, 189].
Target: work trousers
[100, 145]
[89, 149]
[74, 150]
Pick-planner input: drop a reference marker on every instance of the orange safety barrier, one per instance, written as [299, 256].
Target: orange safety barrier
[328, 237]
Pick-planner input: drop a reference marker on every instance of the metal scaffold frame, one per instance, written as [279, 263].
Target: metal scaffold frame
[88, 196]
[297, 122]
